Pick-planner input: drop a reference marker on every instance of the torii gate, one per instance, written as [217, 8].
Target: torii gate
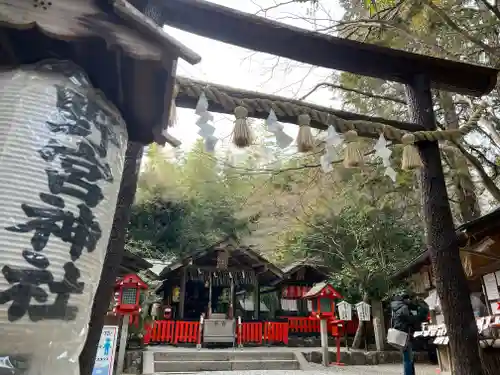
[417, 72]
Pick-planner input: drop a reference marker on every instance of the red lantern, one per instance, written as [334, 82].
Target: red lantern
[128, 290]
[323, 297]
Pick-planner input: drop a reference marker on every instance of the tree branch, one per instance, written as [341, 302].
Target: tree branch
[459, 30]
[335, 86]
[487, 181]
[492, 8]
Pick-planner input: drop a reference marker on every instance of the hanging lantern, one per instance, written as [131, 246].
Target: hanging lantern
[364, 311]
[176, 294]
[222, 259]
[62, 157]
[345, 311]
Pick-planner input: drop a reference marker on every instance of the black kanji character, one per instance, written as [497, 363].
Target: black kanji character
[36, 259]
[82, 159]
[44, 225]
[82, 231]
[70, 283]
[26, 287]
[76, 117]
[60, 309]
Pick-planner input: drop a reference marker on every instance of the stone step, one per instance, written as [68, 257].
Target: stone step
[235, 365]
[222, 356]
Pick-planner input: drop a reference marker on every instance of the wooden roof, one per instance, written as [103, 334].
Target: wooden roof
[261, 34]
[322, 290]
[476, 230]
[125, 54]
[242, 257]
[132, 263]
[319, 272]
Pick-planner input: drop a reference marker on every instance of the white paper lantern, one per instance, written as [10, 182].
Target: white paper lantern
[364, 311]
[61, 159]
[345, 311]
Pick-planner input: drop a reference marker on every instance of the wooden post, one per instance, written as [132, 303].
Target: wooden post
[123, 344]
[231, 298]
[441, 239]
[182, 296]
[256, 300]
[323, 325]
[209, 313]
[114, 255]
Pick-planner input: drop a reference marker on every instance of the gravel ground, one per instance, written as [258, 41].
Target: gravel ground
[347, 370]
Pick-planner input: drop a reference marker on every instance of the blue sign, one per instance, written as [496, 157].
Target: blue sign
[105, 358]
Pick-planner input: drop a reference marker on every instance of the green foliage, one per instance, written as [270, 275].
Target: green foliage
[183, 205]
[361, 245]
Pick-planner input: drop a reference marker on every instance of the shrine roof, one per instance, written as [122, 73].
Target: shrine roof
[132, 263]
[304, 263]
[240, 257]
[476, 230]
[321, 289]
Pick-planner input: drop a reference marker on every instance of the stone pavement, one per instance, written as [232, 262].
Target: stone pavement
[347, 370]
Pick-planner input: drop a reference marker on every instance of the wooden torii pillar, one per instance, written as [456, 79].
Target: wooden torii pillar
[417, 73]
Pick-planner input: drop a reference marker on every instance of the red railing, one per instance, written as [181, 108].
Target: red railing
[276, 332]
[163, 331]
[302, 324]
[251, 332]
[175, 332]
[186, 332]
[172, 332]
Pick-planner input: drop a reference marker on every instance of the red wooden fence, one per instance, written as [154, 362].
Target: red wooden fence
[303, 324]
[175, 332]
[171, 332]
[275, 332]
[186, 332]
[163, 331]
[251, 332]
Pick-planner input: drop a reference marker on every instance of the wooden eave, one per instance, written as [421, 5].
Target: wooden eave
[240, 257]
[132, 263]
[260, 34]
[126, 56]
[476, 230]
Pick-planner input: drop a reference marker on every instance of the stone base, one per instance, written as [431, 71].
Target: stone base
[362, 358]
[310, 341]
[133, 362]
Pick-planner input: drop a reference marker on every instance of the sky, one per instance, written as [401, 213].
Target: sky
[241, 68]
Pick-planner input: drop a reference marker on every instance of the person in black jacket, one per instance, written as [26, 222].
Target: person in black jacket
[404, 320]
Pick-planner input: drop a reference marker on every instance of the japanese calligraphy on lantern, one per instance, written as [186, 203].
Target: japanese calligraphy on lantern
[345, 311]
[364, 311]
[60, 171]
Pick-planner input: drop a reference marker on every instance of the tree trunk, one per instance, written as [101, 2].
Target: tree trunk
[114, 256]
[442, 241]
[360, 332]
[468, 205]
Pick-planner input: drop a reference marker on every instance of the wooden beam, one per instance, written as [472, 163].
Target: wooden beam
[260, 34]
[114, 255]
[185, 99]
[145, 25]
[182, 297]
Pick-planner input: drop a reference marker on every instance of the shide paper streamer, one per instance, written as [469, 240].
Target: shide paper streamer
[62, 156]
